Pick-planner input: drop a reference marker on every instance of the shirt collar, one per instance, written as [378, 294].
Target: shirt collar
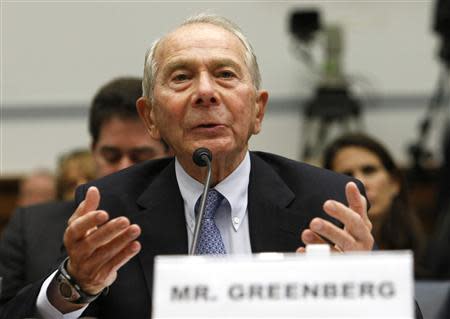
[234, 188]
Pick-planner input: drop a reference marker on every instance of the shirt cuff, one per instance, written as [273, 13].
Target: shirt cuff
[47, 310]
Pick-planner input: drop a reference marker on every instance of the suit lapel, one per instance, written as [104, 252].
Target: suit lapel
[272, 227]
[162, 221]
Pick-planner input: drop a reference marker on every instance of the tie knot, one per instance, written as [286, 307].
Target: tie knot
[213, 201]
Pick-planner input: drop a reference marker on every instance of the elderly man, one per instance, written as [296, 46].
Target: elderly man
[201, 89]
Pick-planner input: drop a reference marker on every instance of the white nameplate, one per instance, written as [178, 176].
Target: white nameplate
[353, 285]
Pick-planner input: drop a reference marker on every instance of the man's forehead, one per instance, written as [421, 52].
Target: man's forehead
[117, 121]
[122, 129]
[195, 34]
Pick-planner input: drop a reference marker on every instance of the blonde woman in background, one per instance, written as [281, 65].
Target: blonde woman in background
[75, 168]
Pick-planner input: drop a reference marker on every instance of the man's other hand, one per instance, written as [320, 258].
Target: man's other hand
[356, 234]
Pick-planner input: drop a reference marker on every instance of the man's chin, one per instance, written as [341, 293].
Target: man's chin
[216, 146]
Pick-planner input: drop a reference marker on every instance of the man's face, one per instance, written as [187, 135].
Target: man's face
[122, 143]
[204, 95]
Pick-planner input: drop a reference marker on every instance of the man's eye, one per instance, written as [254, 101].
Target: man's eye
[111, 155]
[141, 155]
[226, 74]
[348, 173]
[180, 77]
[369, 169]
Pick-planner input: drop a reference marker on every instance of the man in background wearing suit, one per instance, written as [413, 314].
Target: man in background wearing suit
[31, 243]
[201, 89]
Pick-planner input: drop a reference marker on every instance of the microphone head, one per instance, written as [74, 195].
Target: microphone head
[201, 156]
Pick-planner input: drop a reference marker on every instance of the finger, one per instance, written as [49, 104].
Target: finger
[340, 237]
[92, 199]
[309, 237]
[356, 201]
[301, 250]
[106, 252]
[354, 223]
[95, 236]
[125, 255]
[90, 203]
[108, 231]
[80, 227]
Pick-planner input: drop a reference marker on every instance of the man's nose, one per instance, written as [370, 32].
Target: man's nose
[362, 177]
[206, 91]
[124, 163]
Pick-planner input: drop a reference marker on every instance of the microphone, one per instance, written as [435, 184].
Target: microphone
[201, 157]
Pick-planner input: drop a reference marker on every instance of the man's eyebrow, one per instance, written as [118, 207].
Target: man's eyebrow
[108, 147]
[225, 62]
[171, 66]
[142, 148]
[115, 148]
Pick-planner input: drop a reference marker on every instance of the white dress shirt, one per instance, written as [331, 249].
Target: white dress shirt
[231, 216]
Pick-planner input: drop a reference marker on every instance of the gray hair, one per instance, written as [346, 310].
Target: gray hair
[151, 65]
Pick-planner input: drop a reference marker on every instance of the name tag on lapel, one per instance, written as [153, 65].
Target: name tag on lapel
[312, 285]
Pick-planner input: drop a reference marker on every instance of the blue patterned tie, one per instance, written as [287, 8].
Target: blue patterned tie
[210, 241]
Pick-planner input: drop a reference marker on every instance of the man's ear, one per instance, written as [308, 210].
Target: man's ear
[260, 109]
[146, 113]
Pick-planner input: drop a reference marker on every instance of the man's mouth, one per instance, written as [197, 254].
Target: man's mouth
[209, 128]
[208, 125]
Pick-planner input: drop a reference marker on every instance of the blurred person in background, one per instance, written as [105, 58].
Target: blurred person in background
[74, 168]
[438, 251]
[119, 138]
[37, 187]
[31, 243]
[395, 225]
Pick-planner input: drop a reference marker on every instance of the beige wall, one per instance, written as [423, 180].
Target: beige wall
[57, 54]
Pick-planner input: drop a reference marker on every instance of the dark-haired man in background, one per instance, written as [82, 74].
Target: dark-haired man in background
[31, 243]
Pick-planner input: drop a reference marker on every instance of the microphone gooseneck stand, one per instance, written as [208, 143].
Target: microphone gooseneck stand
[201, 157]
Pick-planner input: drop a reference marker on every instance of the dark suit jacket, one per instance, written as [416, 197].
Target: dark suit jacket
[31, 244]
[283, 197]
